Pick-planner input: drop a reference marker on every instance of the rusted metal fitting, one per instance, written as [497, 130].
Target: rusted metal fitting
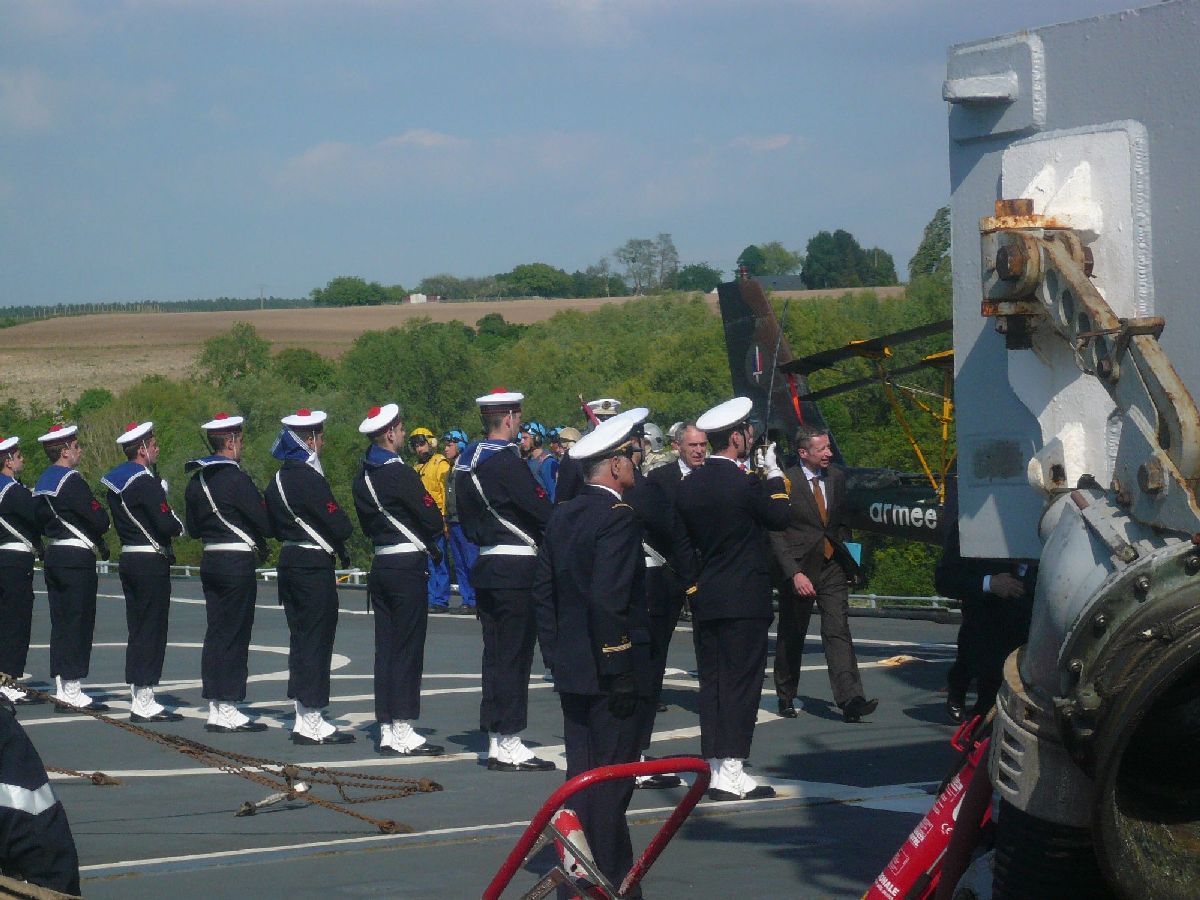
[1151, 477]
[1011, 262]
[1089, 261]
[1018, 207]
[1141, 586]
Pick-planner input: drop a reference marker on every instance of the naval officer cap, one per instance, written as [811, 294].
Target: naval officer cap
[9, 444]
[308, 419]
[222, 422]
[379, 418]
[135, 432]
[608, 438]
[605, 407]
[727, 415]
[500, 399]
[58, 434]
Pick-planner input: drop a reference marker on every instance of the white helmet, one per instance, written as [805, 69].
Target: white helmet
[654, 435]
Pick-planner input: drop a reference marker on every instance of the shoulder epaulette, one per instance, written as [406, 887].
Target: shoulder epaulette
[621, 506]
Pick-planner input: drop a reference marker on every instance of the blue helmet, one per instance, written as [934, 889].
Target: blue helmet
[458, 436]
[537, 429]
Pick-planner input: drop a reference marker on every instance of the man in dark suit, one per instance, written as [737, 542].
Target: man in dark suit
[592, 623]
[816, 568]
[726, 512]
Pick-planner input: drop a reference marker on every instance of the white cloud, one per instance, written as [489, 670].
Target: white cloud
[761, 143]
[28, 101]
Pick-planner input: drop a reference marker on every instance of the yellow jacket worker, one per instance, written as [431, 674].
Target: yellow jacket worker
[433, 469]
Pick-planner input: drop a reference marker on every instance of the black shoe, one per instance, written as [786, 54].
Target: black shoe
[337, 737]
[533, 764]
[654, 782]
[461, 610]
[759, 793]
[234, 729]
[29, 700]
[857, 707]
[662, 707]
[164, 716]
[787, 710]
[423, 750]
[955, 709]
[68, 709]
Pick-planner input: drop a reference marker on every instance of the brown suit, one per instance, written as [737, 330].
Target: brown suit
[800, 548]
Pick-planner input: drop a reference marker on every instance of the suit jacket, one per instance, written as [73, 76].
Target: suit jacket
[961, 578]
[663, 530]
[727, 514]
[800, 547]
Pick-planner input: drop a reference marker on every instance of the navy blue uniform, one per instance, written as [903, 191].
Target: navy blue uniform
[35, 838]
[141, 514]
[226, 569]
[399, 580]
[569, 481]
[502, 574]
[63, 497]
[307, 584]
[591, 610]
[727, 514]
[16, 573]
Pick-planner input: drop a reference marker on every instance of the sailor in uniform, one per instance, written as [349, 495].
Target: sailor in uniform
[19, 543]
[226, 511]
[145, 524]
[602, 410]
[313, 529]
[592, 622]
[504, 511]
[402, 520]
[726, 512]
[74, 523]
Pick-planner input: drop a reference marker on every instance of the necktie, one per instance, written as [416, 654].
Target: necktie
[819, 497]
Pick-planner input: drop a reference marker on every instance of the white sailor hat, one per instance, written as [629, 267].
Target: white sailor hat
[304, 418]
[379, 418]
[7, 444]
[605, 407]
[134, 432]
[606, 439]
[635, 416]
[58, 434]
[223, 422]
[727, 415]
[500, 398]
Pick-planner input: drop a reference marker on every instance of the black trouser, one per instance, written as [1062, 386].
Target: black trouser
[991, 629]
[509, 633]
[593, 738]
[732, 657]
[227, 577]
[146, 581]
[833, 597]
[398, 596]
[310, 601]
[72, 592]
[662, 629]
[16, 610]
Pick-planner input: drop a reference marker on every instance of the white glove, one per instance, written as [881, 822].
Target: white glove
[770, 465]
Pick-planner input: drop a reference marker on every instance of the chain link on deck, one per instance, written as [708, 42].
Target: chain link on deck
[272, 774]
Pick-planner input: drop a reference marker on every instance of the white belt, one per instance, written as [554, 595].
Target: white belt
[389, 549]
[138, 548]
[305, 545]
[15, 545]
[232, 545]
[652, 563]
[71, 542]
[508, 550]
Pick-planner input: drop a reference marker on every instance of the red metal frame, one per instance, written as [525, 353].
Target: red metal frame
[658, 843]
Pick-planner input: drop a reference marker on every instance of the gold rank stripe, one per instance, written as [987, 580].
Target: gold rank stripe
[692, 590]
[628, 645]
[621, 506]
[780, 497]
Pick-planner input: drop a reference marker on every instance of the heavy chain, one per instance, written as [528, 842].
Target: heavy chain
[272, 774]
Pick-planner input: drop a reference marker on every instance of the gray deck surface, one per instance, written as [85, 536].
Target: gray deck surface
[848, 794]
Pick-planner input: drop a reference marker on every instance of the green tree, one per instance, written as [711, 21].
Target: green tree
[493, 333]
[536, 280]
[879, 269]
[933, 254]
[639, 258]
[752, 260]
[837, 260]
[235, 354]
[394, 293]
[698, 277]
[666, 259]
[778, 260]
[303, 367]
[597, 281]
[349, 290]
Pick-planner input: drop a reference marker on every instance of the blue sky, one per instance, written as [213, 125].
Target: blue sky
[162, 149]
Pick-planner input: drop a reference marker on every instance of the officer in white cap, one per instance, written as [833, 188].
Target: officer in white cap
[20, 541]
[592, 622]
[313, 529]
[145, 524]
[226, 512]
[727, 512]
[605, 408]
[504, 511]
[74, 522]
[402, 520]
